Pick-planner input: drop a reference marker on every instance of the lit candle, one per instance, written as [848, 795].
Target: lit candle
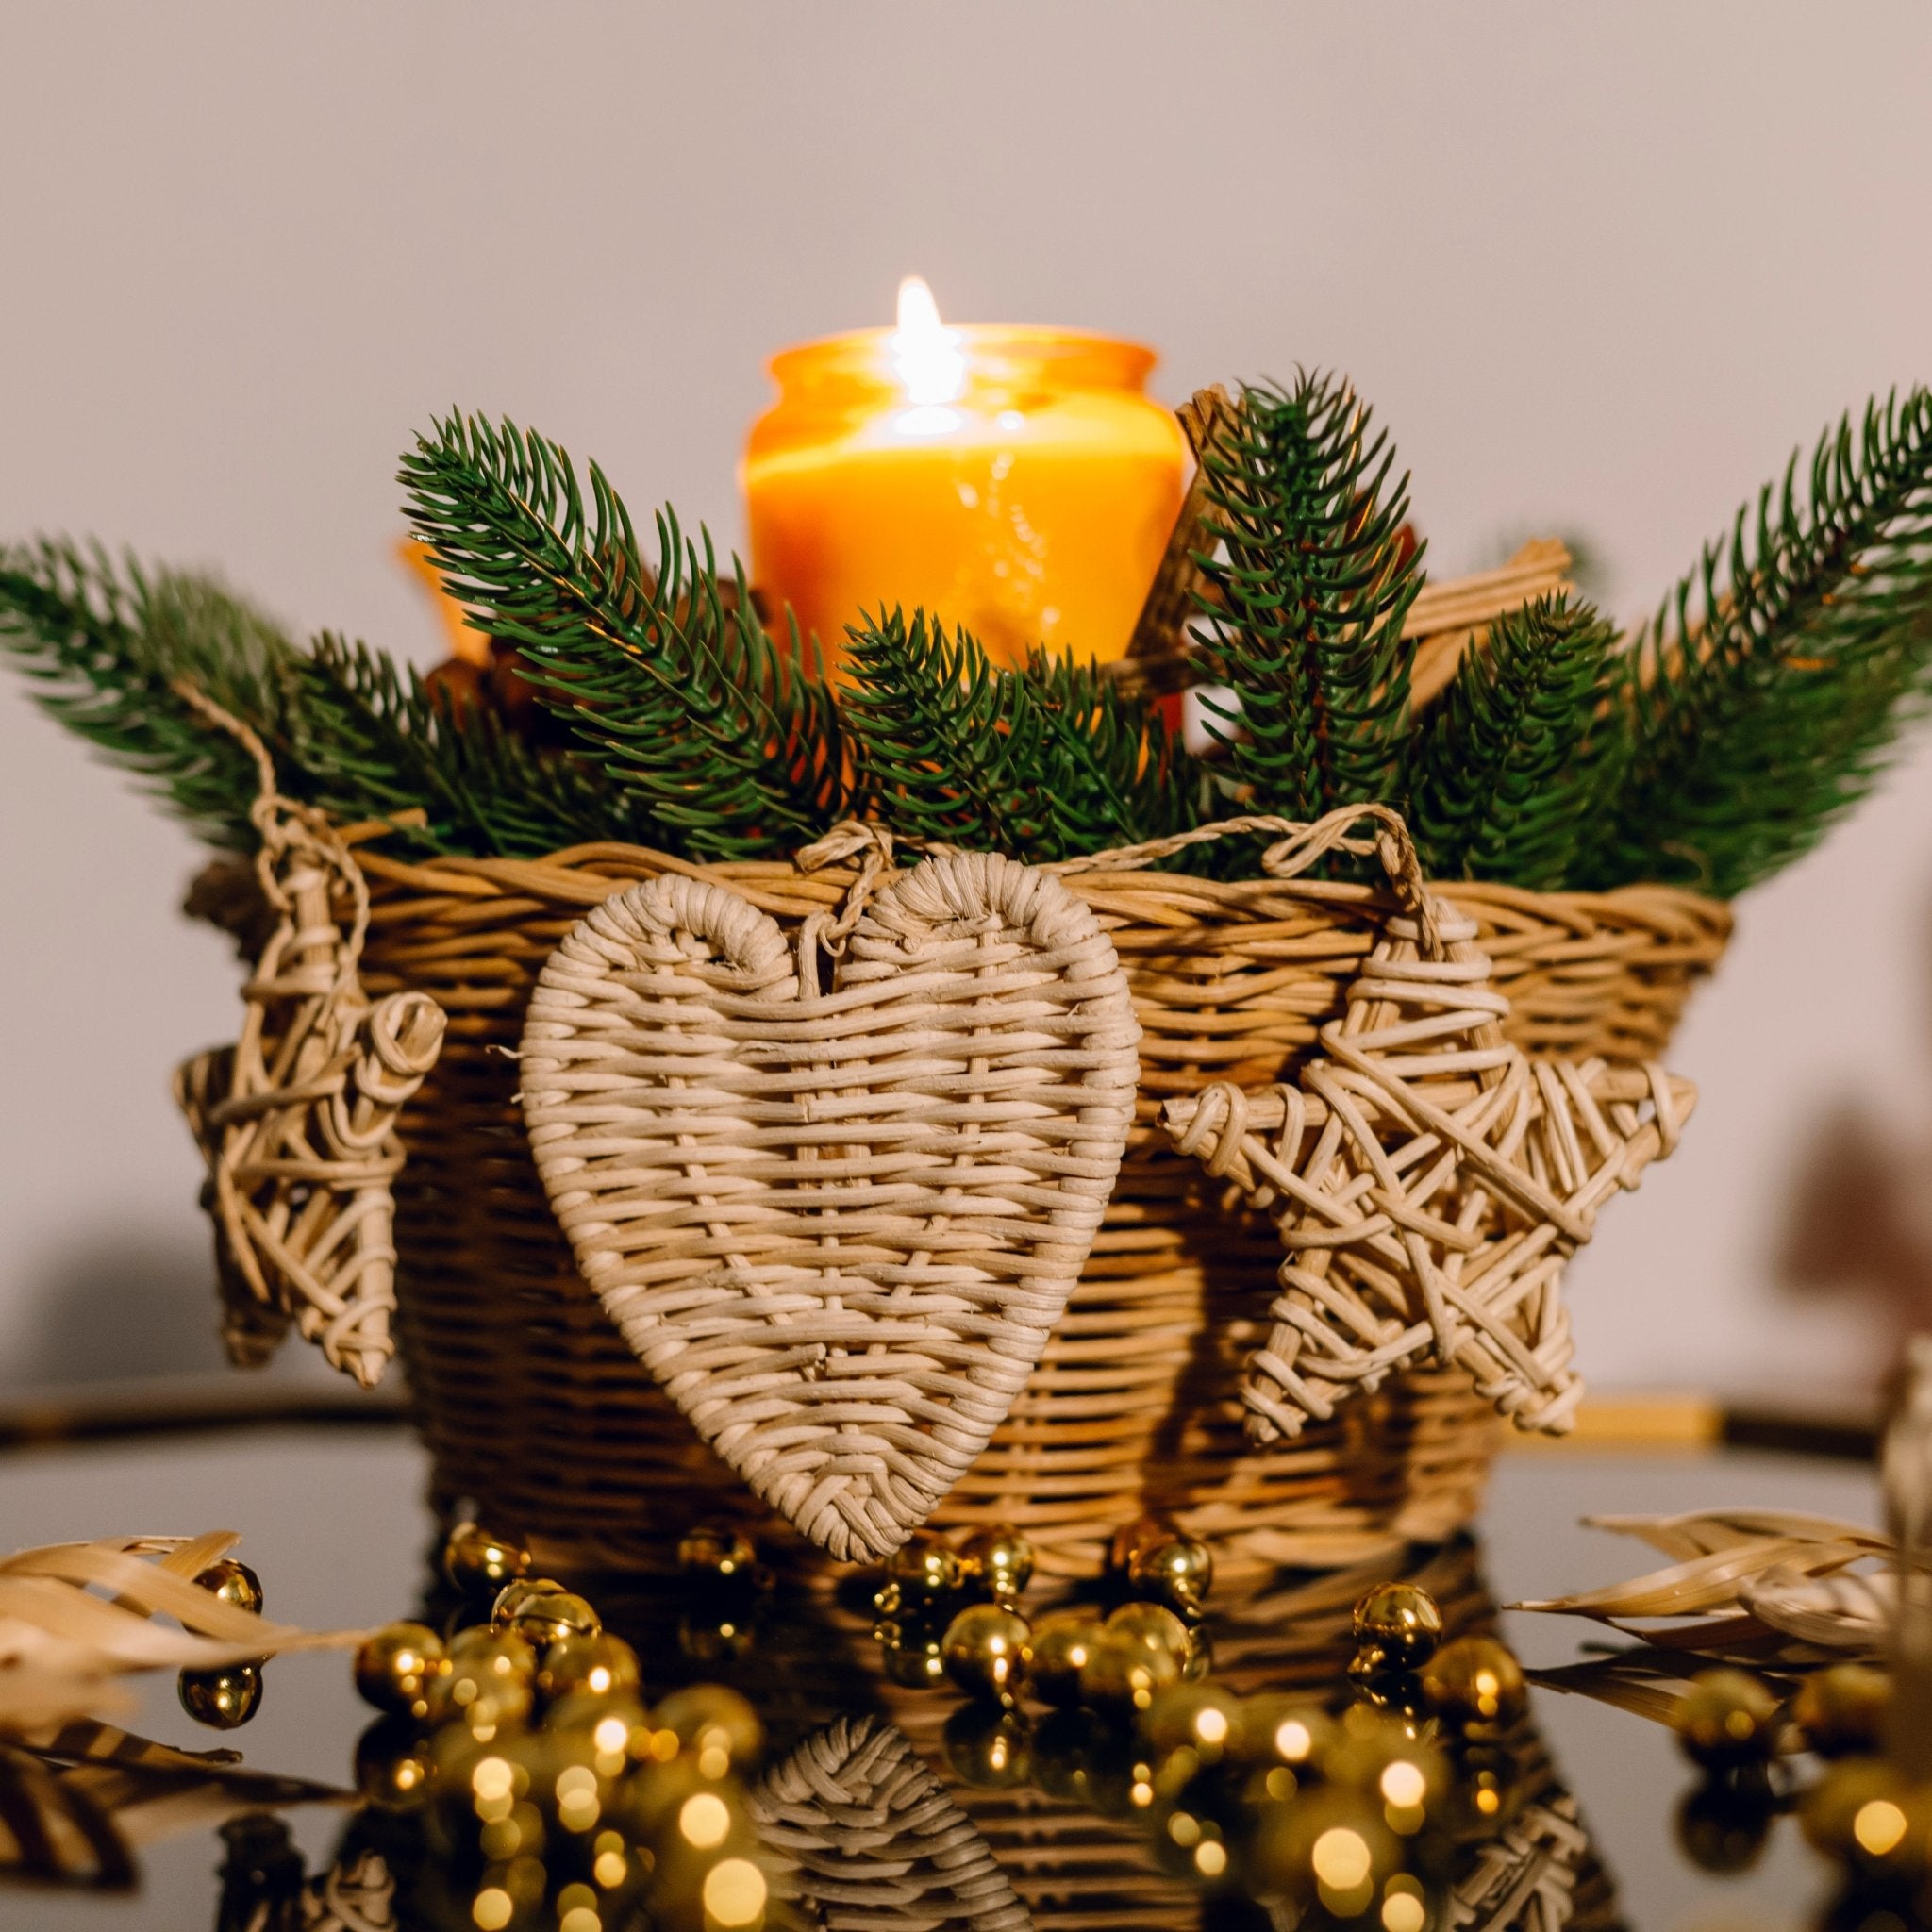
[1015, 480]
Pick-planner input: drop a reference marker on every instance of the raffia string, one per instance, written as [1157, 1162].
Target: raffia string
[297, 1120]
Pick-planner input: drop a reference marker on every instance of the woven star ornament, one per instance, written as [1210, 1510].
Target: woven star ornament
[1429, 1182]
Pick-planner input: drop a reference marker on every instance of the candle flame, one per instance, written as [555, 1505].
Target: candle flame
[927, 356]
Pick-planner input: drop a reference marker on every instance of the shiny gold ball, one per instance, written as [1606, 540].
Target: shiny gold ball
[1131, 1539]
[1842, 1711]
[717, 1726]
[1476, 1682]
[1331, 1845]
[235, 1583]
[711, 1636]
[1177, 1571]
[910, 1654]
[489, 1682]
[393, 1764]
[1407, 1776]
[224, 1699]
[989, 1747]
[1155, 1625]
[1124, 1676]
[999, 1559]
[1064, 1745]
[1057, 1653]
[1864, 1813]
[1204, 1719]
[715, 1552]
[1281, 1728]
[597, 1662]
[985, 1650]
[1726, 1717]
[1724, 1823]
[548, 1616]
[514, 1594]
[925, 1566]
[475, 1561]
[1399, 1624]
[396, 1665]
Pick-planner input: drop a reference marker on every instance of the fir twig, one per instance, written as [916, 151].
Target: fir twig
[731, 741]
[1769, 689]
[1307, 596]
[1508, 768]
[105, 644]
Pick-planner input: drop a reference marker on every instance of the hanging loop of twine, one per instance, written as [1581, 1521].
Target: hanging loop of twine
[1300, 846]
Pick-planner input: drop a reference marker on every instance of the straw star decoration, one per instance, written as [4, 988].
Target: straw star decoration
[1430, 1183]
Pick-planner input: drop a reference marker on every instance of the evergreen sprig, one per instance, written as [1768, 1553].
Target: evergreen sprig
[1309, 579]
[105, 644]
[732, 743]
[1044, 762]
[370, 742]
[1768, 689]
[1510, 765]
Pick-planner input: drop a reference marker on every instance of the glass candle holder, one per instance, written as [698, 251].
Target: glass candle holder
[1015, 480]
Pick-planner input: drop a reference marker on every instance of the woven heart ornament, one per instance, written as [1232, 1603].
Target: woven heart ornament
[836, 1224]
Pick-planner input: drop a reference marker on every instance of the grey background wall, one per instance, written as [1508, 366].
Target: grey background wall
[1598, 269]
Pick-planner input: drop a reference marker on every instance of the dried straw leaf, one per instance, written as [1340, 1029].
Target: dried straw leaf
[1704, 1532]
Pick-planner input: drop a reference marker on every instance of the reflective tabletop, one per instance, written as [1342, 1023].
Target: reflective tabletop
[1604, 1826]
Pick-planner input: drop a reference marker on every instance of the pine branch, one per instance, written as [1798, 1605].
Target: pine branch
[371, 741]
[731, 742]
[105, 645]
[1307, 594]
[1509, 769]
[1769, 689]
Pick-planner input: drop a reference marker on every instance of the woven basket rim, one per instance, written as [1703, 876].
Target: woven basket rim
[586, 874]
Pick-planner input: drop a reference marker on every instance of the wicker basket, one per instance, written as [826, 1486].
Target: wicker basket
[532, 1403]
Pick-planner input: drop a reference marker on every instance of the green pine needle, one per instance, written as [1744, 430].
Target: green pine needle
[1770, 688]
[730, 742]
[1313, 580]
[1511, 763]
[104, 642]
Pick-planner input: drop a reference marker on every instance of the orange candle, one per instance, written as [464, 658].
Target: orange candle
[1015, 480]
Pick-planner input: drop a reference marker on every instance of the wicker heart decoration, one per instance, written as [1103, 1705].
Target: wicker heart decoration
[838, 1225]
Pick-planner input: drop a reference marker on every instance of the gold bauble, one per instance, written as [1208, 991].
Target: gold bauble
[594, 1661]
[1279, 1727]
[909, 1653]
[717, 1726]
[1177, 1571]
[1330, 1845]
[548, 1616]
[1487, 1787]
[985, 1650]
[1064, 1745]
[714, 1637]
[1726, 1717]
[1056, 1651]
[234, 1582]
[1398, 1623]
[1155, 1626]
[1842, 1711]
[393, 1764]
[396, 1665]
[1866, 1814]
[1131, 1539]
[476, 1561]
[222, 1699]
[989, 1747]
[514, 1594]
[1374, 1755]
[1476, 1682]
[488, 1684]
[999, 1559]
[1205, 1719]
[1120, 1675]
[712, 1551]
[1724, 1823]
[925, 1566]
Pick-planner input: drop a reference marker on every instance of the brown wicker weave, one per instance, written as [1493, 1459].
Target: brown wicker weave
[532, 1403]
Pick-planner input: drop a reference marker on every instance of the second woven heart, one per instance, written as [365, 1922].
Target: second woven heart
[837, 1225]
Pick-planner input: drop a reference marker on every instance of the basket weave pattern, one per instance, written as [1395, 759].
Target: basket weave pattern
[529, 1396]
